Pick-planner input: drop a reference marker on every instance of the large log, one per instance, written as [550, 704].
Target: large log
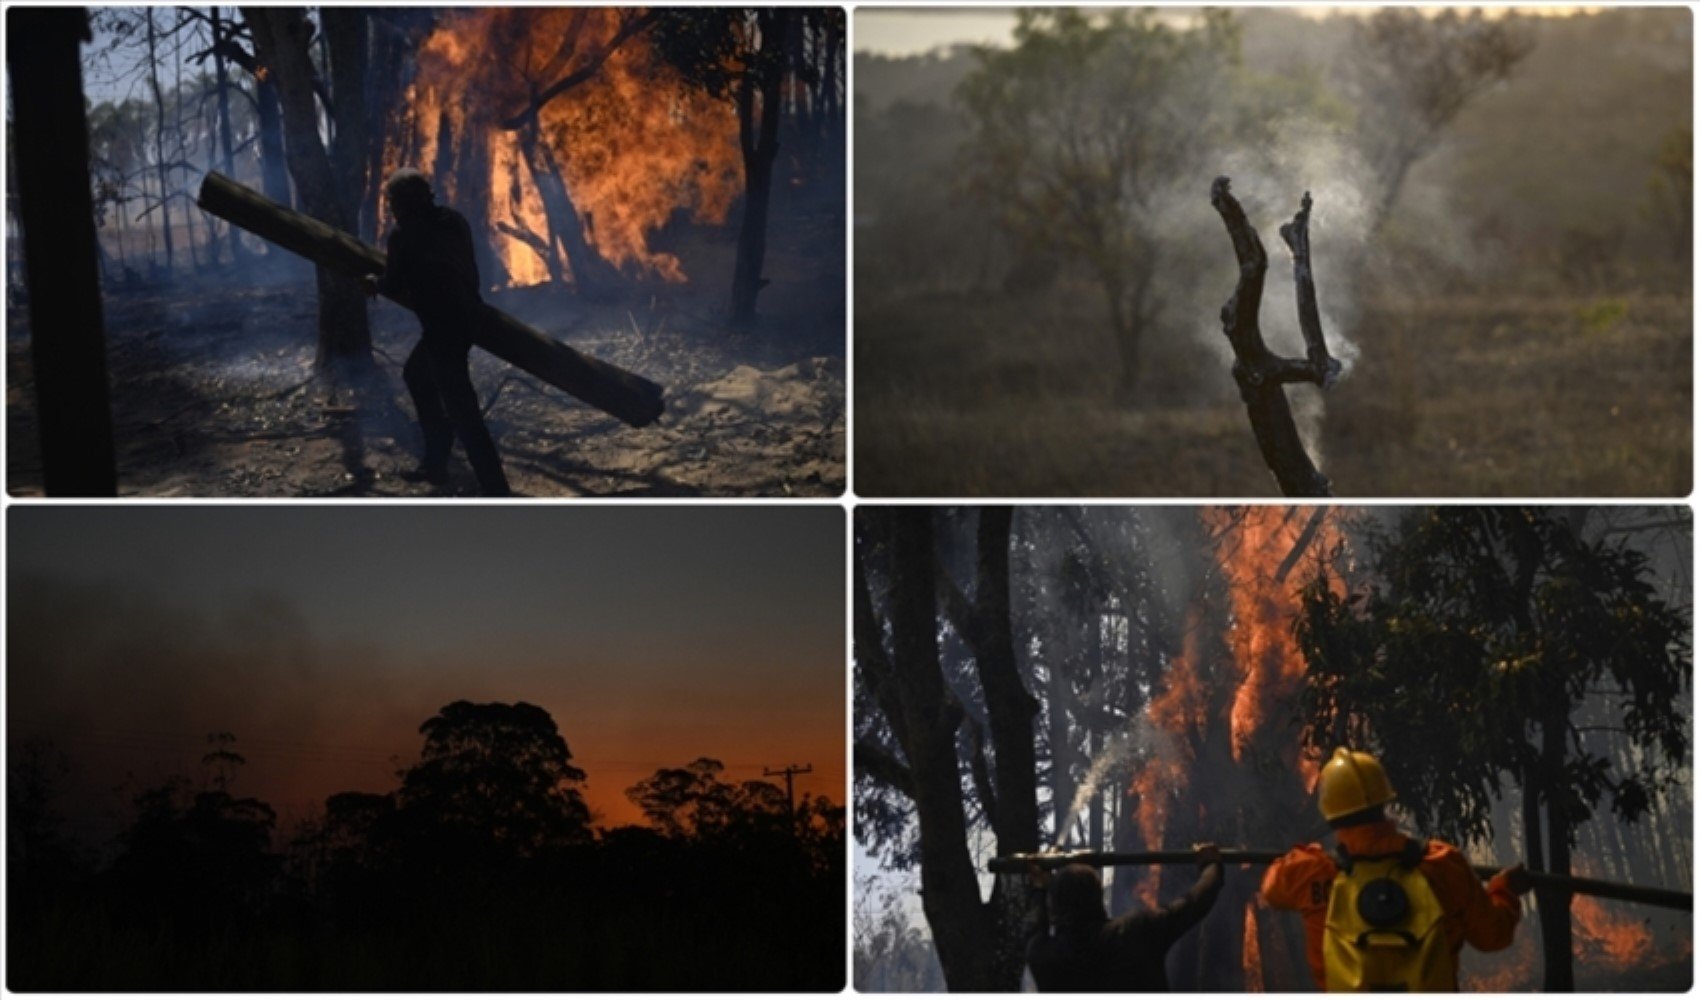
[632, 398]
[1015, 864]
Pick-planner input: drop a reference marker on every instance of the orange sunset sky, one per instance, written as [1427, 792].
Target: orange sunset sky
[323, 637]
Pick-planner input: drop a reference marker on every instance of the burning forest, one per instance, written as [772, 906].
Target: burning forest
[1112, 686]
[655, 205]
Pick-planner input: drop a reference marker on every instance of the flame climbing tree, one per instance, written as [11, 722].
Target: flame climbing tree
[747, 57]
[1149, 679]
[1068, 677]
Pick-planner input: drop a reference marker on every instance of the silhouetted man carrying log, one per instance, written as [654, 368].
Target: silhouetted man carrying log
[431, 261]
[1083, 950]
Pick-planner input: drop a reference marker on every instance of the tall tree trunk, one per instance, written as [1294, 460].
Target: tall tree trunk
[160, 167]
[961, 924]
[759, 141]
[1125, 331]
[182, 152]
[1554, 904]
[221, 79]
[268, 113]
[346, 39]
[1094, 735]
[281, 38]
[470, 164]
[384, 82]
[55, 210]
[590, 273]
[1062, 751]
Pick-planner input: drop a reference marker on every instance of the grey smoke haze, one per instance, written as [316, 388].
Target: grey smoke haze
[323, 637]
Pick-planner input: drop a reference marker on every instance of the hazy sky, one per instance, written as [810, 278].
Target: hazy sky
[914, 31]
[322, 637]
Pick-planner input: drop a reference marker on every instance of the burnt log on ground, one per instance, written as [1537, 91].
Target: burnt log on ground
[630, 397]
[1262, 375]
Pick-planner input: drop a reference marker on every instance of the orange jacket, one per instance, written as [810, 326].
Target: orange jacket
[1301, 879]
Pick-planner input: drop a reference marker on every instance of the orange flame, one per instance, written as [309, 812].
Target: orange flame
[1252, 952]
[1254, 545]
[630, 146]
[1272, 668]
[1604, 935]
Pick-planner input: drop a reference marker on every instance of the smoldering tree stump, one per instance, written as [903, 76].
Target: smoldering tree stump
[1261, 374]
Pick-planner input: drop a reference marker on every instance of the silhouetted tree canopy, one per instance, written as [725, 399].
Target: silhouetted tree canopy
[497, 773]
[480, 872]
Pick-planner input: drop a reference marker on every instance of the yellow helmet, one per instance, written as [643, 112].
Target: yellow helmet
[1352, 781]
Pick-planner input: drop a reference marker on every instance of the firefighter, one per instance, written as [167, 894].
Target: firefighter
[431, 260]
[1386, 911]
[1080, 948]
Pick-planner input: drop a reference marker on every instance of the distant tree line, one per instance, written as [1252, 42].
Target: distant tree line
[482, 870]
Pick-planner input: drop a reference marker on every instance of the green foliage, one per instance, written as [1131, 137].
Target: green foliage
[1601, 316]
[1076, 130]
[1482, 634]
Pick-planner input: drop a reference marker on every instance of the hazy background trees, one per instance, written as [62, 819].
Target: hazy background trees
[1479, 178]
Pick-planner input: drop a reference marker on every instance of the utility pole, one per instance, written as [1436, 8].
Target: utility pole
[790, 772]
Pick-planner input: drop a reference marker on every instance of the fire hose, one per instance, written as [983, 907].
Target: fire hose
[1016, 864]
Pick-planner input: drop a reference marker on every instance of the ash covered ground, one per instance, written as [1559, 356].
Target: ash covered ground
[213, 393]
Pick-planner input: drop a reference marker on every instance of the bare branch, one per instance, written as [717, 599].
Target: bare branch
[883, 766]
[580, 75]
[1260, 373]
[1297, 236]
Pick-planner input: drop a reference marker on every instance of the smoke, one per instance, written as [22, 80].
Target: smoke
[128, 687]
[1142, 740]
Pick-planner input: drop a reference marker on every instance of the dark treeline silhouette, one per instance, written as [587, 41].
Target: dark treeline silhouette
[481, 870]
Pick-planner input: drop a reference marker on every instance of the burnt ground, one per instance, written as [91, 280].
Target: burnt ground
[213, 392]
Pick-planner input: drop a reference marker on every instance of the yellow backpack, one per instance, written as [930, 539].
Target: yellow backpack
[1385, 927]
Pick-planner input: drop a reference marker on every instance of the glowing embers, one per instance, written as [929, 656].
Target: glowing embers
[583, 180]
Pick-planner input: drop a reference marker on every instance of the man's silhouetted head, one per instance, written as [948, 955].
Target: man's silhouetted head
[409, 193]
[1077, 897]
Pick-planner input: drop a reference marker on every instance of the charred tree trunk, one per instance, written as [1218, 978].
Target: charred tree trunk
[1263, 376]
[1062, 752]
[346, 37]
[227, 148]
[1553, 903]
[471, 161]
[161, 170]
[55, 209]
[590, 273]
[1009, 705]
[950, 892]
[274, 171]
[758, 138]
[281, 39]
[631, 398]
[980, 947]
[384, 76]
